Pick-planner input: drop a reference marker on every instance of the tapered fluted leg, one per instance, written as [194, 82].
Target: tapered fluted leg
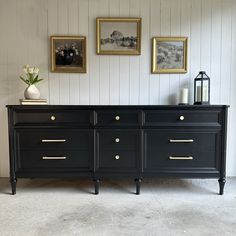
[138, 185]
[222, 182]
[13, 185]
[96, 185]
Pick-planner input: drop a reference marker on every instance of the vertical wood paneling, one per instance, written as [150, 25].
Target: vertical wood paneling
[54, 83]
[124, 62]
[42, 49]
[195, 50]
[134, 61]
[155, 30]
[175, 20]
[3, 94]
[209, 24]
[84, 31]
[73, 29]
[63, 27]
[94, 69]
[206, 36]
[216, 50]
[114, 92]
[231, 160]
[145, 58]
[226, 51]
[104, 61]
[185, 30]
[165, 31]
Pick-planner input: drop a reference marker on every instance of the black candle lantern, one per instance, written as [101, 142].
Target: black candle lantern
[202, 89]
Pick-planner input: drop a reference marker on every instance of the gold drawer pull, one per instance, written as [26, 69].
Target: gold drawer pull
[117, 157]
[117, 118]
[181, 140]
[53, 158]
[53, 117]
[53, 140]
[117, 140]
[181, 117]
[180, 158]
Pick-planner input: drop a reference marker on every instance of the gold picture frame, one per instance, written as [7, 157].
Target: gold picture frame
[68, 54]
[118, 36]
[169, 55]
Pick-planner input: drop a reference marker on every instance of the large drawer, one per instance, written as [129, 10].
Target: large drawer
[53, 138]
[43, 160]
[181, 150]
[52, 117]
[111, 161]
[118, 118]
[182, 117]
[117, 139]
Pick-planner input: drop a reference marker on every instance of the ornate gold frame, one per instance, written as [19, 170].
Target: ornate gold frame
[155, 68]
[62, 69]
[118, 19]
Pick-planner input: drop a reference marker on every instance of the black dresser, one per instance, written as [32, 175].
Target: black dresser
[57, 141]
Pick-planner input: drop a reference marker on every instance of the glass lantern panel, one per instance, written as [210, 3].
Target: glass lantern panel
[198, 91]
[205, 90]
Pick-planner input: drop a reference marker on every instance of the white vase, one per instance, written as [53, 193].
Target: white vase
[31, 92]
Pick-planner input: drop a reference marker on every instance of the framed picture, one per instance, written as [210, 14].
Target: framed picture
[169, 55]
[119, 36]
[68, 54]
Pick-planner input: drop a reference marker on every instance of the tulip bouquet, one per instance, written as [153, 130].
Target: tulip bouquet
[32, 76]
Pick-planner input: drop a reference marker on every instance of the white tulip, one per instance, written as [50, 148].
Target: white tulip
[26, 66]
[31, 70]
[36, 70]
[25, 70]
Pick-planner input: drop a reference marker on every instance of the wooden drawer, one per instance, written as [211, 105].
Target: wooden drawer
[52, 117]
[53, 139]
[117, 139]
[43, 160]
[118, 118]
[180, 150]
[109, 161]
[181, 117]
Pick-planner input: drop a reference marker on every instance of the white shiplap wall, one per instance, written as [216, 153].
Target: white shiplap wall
[26, 25]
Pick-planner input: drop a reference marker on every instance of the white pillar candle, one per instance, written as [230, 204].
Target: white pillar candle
[184, 96]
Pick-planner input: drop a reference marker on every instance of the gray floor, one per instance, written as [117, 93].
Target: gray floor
[165, 207]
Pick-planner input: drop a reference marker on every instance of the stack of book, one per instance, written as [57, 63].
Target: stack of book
[33, 101]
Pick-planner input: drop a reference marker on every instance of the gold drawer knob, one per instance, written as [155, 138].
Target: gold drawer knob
[117, 157]
[117, 118]
[181, 117]
[117, 140]
[53, 117]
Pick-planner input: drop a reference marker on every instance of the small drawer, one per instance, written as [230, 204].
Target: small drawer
[117, 118]
[53, 139]
[181, 117]
[188, 149]
[110, 161]
[117, 140]
[43, 160]
[52, 117]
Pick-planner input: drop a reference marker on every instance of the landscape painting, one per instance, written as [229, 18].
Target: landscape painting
[169, 55]
[118, 36]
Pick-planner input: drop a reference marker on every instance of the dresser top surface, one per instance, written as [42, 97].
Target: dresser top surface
[184, 107]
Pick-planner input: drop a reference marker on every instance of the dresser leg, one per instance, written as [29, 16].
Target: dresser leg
[13, 185]
[138, 185]
[222, 182]
[96, 185]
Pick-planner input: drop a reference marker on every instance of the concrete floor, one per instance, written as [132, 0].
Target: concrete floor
[165, 207]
